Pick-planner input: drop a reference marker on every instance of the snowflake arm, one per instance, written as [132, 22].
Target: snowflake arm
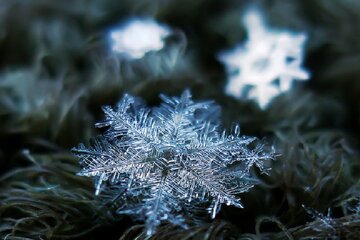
[106, 161]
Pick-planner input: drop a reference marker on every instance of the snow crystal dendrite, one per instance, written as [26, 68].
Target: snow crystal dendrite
[267, 64]
[165, 161]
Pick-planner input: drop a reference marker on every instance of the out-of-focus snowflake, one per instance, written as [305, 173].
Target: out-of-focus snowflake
[170, 160]
[321, 220]
[267, 64]
[137, 37]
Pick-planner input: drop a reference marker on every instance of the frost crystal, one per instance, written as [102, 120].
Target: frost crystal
[167, 161]
[138, 37]
[325, 221]
[267, 64]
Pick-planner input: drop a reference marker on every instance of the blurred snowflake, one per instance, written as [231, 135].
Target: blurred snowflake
[137, 37]
[170, 160]
[321, 220]
[267, 64]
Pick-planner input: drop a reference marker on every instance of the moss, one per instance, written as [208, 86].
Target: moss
[56, 71]
[47, 200]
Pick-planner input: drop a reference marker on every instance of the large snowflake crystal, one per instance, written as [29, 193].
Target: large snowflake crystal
[267, 64]
[166, 162]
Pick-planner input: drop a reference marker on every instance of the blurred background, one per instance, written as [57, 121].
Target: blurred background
[57, 68]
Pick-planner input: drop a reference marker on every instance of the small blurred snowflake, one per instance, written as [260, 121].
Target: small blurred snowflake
[170, 160]
[137, 37]
[267, 64]
[321, 220]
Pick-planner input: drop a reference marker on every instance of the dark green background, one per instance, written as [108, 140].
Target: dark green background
[56, 71]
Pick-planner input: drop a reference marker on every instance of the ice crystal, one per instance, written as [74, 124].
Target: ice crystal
[137, 37]
[166, 161]
[267, 64]
[326, 221]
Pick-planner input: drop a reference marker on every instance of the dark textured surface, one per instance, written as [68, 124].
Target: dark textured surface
[56, 72]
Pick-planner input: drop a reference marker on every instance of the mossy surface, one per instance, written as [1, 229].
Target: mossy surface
[56, 71]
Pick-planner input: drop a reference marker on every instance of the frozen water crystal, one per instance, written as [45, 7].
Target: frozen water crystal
[166, 160]
[137, 37]
[267, 64]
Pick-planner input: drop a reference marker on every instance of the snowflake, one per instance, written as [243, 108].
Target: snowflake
[322, 221]
[137, 37]
[170, 160]
[267, 64]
